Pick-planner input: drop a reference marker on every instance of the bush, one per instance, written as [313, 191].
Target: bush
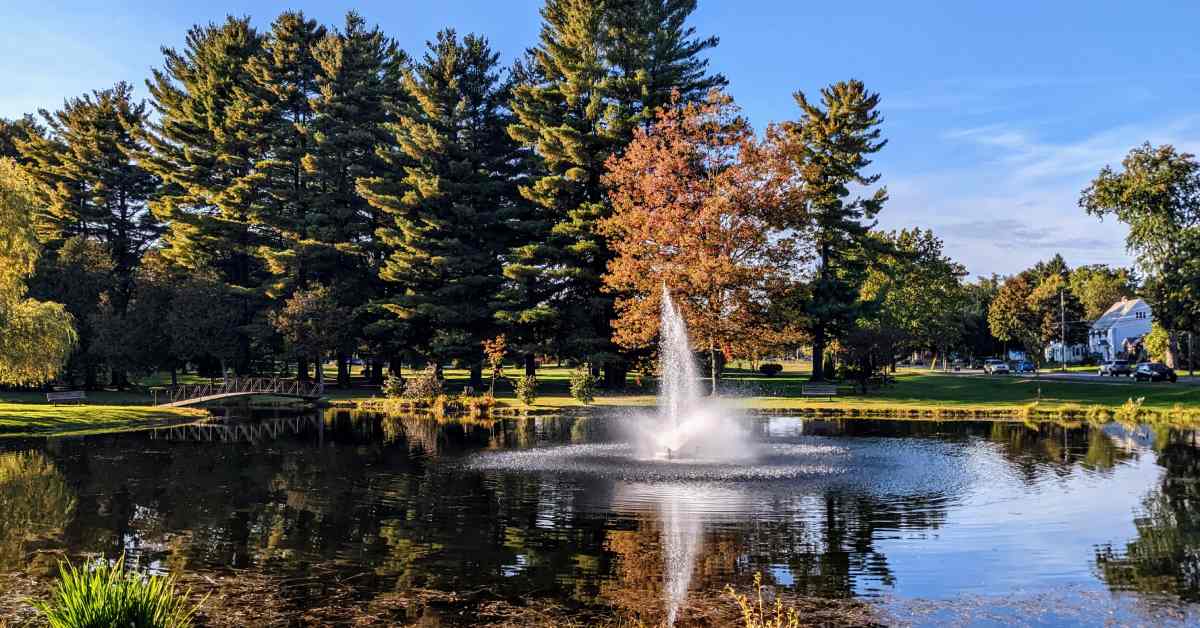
[393, 387]
[583, 385]
[102, 595]
[770, 369]
[527, 389]
[424, 387]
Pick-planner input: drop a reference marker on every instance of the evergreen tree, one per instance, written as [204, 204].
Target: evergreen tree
[599, 70]
[204, 146]
[15, 132]
[454, 164]
[824, 154]
[359, 85]
[94, 187]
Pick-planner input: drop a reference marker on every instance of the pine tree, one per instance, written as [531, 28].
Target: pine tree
[94, 188]
[600, 70]
[825, 153]
[448, 231]
[359, 85]
[15, 132]
[204, 146]
[283, 83]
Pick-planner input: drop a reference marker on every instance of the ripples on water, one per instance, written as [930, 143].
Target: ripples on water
[931, 521]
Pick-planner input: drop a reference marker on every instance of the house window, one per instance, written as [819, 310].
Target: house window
[1140, 315]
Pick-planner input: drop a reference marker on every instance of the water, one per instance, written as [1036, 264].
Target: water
[974, 523]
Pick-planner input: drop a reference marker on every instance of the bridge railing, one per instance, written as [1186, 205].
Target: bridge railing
[244, 385]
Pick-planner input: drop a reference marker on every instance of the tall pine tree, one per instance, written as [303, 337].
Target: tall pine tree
[599, 70]
[455, 166]
[204, 146]
[824, 154]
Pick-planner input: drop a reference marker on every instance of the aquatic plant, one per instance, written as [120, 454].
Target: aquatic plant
[103, 594]
[758, 614]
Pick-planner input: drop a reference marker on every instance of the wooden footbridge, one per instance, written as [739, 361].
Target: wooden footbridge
[196, 394]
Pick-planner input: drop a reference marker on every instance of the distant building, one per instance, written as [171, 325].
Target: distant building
[1074, 354]
[1126, 319]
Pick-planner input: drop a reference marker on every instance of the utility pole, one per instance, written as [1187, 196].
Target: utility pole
[1062, 312]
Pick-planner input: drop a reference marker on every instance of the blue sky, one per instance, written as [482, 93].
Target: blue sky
[998, 114]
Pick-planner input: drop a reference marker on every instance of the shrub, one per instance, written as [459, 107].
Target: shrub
[424, 387]
[770, 369]
[101, 595]
[583, 385]
[527, 389]
[393, 387]
[757, 614]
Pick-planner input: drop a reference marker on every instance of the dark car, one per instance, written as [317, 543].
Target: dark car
[1154, 372]
[1115, 368]
[1024, 366]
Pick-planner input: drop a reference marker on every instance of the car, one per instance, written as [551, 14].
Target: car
[1113, 368]
[1024, 366]
[1154, 372]
[995, 367]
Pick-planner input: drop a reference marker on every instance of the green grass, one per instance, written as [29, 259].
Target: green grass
[28, 414]
[104, 595]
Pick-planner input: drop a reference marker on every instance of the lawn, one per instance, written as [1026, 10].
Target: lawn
[27, 413]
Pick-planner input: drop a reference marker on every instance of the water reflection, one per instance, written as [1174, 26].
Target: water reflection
[1165, 556]
[392, 505]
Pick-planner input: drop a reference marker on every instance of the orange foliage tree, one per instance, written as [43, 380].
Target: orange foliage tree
[690, 212]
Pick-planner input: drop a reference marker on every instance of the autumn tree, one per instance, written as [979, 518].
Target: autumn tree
[688, 215]
[1156, 194]
[820, 160]
[598, 72]
[1010, 317]
[36, 337]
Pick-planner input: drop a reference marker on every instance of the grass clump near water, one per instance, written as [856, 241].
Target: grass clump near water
[106, 595]
[758, 614]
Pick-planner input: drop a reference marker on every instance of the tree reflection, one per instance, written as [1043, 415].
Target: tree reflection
[35, 505]
[1165, 556]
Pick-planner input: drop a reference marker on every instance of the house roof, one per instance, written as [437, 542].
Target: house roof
[1119, 310]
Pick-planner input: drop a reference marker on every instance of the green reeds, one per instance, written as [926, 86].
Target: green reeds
[103, 594]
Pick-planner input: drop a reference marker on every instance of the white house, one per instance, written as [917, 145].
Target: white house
[1074, 354]
[1127, 318]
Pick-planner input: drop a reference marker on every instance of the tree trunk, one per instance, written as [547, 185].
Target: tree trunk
[320, 371]
[614, 376]
[174, 376]
[818, 355]
[376, 371]
[716, 371]
[1172, 357]
[302, 369]
[343, 368]
[477, 376]
[530, 365]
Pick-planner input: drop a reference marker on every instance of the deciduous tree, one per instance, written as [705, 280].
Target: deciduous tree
[689, 217]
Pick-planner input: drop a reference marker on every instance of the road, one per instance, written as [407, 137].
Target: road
[1070, 376]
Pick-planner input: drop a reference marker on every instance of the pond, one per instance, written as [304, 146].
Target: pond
[923, 523]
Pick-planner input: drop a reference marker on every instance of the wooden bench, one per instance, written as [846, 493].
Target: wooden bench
[78, 396]
[819, 390]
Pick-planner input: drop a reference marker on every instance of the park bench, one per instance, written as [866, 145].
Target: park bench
[819, 390]
[78, 396]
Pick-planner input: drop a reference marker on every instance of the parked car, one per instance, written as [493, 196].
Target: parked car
[1024, 366]
[1114, 368]
[995, 367]
[1154, 372]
